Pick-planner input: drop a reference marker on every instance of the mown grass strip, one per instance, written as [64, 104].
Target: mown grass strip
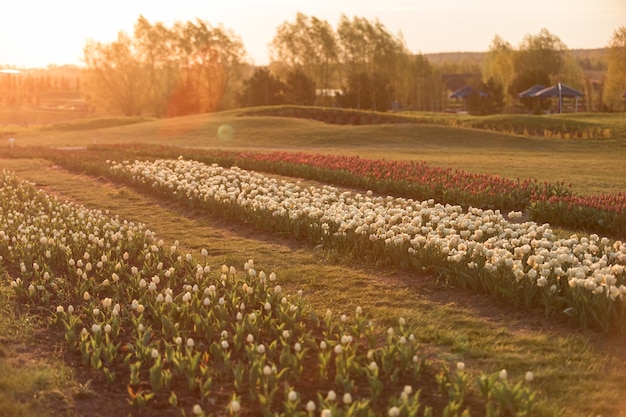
[34, 381]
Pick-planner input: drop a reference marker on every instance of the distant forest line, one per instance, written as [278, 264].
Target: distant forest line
[193, 67]
[58, 87]
[589, 59]
[593, 59]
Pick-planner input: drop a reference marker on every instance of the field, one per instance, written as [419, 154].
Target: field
[592, 166]
[458, 333]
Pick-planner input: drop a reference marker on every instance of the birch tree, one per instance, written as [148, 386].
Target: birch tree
[615, 87]
[158, 50]
[367, 47]
[499, 65]
[308, 45]
[191, 67]
[116, 81]
[539, 60]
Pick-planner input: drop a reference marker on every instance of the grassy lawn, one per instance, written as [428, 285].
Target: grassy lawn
[579, 373]
[34, 381]
[592, 165]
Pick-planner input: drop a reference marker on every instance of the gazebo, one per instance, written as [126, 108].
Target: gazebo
[464, 92]
[559, 91]
[532, 90]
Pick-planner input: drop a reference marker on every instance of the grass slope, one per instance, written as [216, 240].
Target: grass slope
[592, 165]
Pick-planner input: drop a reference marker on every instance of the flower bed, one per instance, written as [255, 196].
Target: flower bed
[173, 329]
[602, 213]
[545, 202]
[480, 249]
[409, 179]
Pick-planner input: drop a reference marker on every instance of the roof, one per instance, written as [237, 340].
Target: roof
[466, 91]
[456, 81]
[556, 91]
[532, 90]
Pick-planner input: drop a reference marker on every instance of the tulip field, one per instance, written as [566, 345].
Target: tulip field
[554, 203]
[373, 287]
[480, 249]
[410, 179]
[221, 340]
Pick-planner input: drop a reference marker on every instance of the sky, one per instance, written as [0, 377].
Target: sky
[38, 33]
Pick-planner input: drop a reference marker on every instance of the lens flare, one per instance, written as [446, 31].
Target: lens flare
[225, 132]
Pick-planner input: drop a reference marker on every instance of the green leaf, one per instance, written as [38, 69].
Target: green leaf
[146, 337]
[168, 327]
[173, 399]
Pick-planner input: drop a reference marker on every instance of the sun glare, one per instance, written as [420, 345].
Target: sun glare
[57, 33]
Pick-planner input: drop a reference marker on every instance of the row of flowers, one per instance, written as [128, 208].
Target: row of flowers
[410, 179]
[174, 329]
[476, 248]
[553, 203]
[603, 213]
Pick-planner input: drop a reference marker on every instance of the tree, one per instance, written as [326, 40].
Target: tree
[262, 89]
[157, 48]
[543, 52]
[368, 92]
[211, 59]
[300, 89]
[355, 94]
[188, 68]
[368, 48]
[334, 58]
[116, 80]
[308, 45]
[424, 84]
[491, 101]
[615, 86]
[499, 65]
[541, 59]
